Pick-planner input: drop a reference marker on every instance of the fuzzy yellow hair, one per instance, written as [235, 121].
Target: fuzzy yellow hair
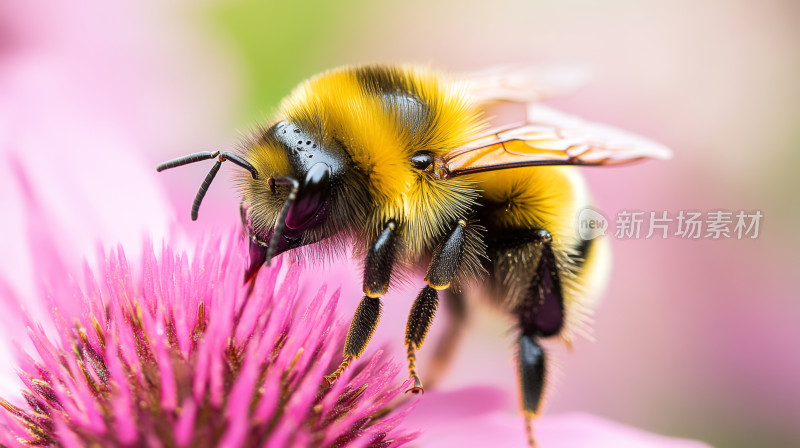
[337, 105]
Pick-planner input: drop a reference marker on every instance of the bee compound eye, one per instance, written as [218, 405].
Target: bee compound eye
[422, 161]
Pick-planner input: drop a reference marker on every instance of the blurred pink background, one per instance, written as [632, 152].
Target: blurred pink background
[694, 338]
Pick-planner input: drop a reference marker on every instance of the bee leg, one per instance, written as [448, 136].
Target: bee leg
[446, 346]
[532, 370]
[444, 265]
[540, 314]
[419, 321]
[377, 273]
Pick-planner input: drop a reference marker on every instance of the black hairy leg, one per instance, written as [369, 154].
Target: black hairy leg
[380, 260]
[540, 311]
[445, 263]
[445, 349]
[361, 330]
[531, 361]
[540, 314]
[419, 321]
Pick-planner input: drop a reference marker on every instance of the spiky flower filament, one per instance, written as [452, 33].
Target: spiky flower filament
[181, 355]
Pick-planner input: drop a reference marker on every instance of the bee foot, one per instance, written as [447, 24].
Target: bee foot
[417, 388]
[329, 380]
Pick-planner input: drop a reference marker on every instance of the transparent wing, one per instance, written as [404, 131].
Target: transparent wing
[549, 137]
[523, 84]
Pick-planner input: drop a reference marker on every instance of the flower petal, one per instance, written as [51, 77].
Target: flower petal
[480, 417]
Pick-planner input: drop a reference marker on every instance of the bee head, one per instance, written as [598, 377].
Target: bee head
[290, 205]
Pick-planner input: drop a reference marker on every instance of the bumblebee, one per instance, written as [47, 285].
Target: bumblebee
[399, 164]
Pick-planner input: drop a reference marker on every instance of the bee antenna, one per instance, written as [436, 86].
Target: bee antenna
[206, 155]
[201, 193]
[281, 224]
[185, 160]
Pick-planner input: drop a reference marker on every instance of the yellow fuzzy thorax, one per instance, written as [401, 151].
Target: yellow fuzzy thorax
[545, 197]
[375, 139]
[380, 146]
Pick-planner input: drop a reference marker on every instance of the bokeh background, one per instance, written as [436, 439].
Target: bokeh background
[695, 338]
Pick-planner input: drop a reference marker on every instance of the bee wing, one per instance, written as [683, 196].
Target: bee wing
[549, 137]
[523, 84]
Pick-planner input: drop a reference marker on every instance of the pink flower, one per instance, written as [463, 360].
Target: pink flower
[179, 353]
[479, 416]
[85, 118]
[175, 353]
